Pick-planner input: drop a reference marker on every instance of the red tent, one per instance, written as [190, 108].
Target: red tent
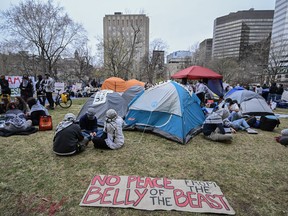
[196, 72]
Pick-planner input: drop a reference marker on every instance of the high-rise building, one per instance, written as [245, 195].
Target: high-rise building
[205, 51]
[279, 37]
[132, 31]
[236, 31]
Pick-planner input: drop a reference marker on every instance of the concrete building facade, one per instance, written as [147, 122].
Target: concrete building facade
[205, 51]
[128, 27]
[279, 40]
[236, 31]
[177, 61]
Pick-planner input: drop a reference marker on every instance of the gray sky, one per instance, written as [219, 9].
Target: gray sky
[180, 23]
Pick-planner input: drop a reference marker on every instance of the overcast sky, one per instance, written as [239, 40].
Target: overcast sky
[180, 23]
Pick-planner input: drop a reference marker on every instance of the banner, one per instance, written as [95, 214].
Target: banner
[156, 194]
[14, 84]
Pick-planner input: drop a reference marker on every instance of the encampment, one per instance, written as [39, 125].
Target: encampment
[167, 109]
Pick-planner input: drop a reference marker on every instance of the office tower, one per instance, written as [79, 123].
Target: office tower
[205, 51]
[279, 38]
[129, 34]
[235, 32]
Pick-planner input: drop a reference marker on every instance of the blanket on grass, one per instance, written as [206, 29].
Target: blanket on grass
[6, 133]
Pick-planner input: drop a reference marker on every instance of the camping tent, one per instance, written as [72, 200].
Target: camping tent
[284, 96]
[114, 83]
[214, 80]
[167, 109]
[250, 102]
[103, 100]
[134, 82]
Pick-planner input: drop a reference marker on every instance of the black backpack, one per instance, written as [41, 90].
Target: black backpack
[269, 122]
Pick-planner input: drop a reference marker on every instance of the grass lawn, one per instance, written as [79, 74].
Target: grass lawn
[252, 171]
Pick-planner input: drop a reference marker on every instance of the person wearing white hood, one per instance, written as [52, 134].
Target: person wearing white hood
[68, 139]
[113, 137]
[213, 126]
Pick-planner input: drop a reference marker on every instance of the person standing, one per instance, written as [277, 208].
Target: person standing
[201, 90]
[40, 92]
[4, 86]
[279, 92]
[26, 88]
[49, 88]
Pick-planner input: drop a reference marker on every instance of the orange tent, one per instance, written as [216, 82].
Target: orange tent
[134, 82]
[114, 83]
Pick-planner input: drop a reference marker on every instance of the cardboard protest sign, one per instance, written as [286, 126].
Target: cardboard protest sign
[156, 194]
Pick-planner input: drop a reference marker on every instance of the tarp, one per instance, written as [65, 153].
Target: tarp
[196, 72]
[167, 109]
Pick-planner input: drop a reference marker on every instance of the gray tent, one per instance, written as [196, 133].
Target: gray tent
[103, 100]
[251, 103]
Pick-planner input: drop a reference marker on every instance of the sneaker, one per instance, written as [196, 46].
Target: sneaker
[251, 131]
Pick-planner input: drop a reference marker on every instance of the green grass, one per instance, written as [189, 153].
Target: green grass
[252, 171]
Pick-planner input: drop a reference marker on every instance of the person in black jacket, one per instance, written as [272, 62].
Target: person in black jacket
[26, 88]
[279, 92]
[40, 93]
[88, 124]
[68, 139]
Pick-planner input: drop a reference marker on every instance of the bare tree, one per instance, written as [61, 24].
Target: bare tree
[41, 28]
[121, 49]
[278, 58]
[153, 69]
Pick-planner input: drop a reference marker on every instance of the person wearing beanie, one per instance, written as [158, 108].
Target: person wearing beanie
[88, 124]
[68, 139]
[113, 137]
[213, 126]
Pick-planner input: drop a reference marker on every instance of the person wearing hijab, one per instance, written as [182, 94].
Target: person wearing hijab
[113, 137]
[213, 126]
[68, 139]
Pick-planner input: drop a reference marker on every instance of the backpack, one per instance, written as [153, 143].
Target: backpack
[251, 121]
[269, 122]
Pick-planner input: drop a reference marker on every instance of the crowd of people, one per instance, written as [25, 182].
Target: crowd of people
[72, 137]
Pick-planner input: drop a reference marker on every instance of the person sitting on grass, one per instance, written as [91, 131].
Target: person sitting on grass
[88, 124]
[36, 110]
[113, 137]
[21, 104]
[68, 139]
[15, 120]
[213, 126]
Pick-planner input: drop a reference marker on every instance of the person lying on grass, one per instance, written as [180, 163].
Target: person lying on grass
[213, 126]
[113, 137]
[15, 119]
[68, 139]
[239, 124]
